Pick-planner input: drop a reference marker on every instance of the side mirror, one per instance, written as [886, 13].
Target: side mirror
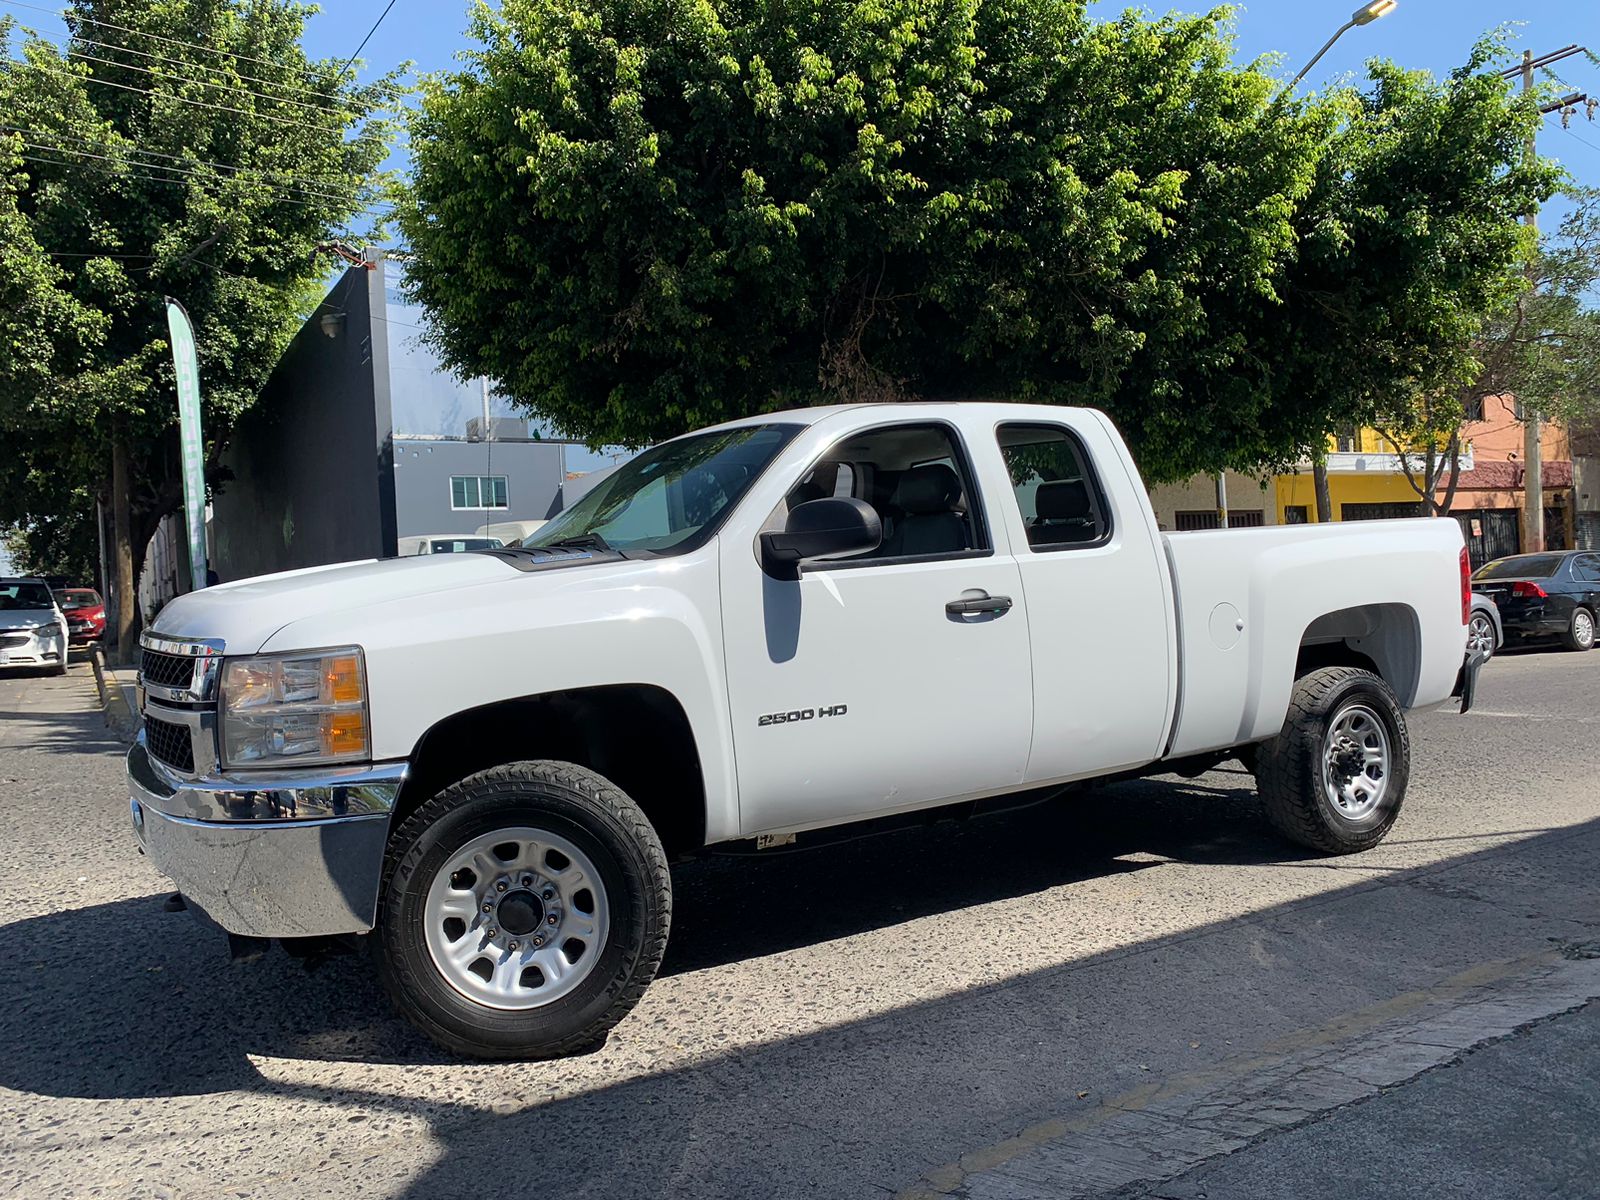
[830, 528]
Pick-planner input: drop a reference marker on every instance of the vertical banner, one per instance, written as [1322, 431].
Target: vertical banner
[187, 368]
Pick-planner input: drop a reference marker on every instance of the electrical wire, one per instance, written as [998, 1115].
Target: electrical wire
[1584, 140]
[79, 39]
[226, 87]
[180, 174]
[185, 180]
[340, 76]
[171, 41]
[297, 180]
[174, 96]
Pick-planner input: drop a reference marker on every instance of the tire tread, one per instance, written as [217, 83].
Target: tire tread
[597, 790]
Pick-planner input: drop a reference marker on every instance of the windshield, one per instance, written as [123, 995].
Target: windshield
[673, 496]
[1521, 566]
[78, 598]
[20, 593]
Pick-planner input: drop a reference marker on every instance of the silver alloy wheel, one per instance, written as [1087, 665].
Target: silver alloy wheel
[1583, 628]
[516, 918]
[1355, 761]
[1480, 635]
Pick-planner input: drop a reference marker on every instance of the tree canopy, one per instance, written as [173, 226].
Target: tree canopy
[186, 148]
[641, 216]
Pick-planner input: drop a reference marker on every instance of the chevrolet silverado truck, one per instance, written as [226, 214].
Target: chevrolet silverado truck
[486, 761]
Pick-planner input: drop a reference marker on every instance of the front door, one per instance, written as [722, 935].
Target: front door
[855, 690]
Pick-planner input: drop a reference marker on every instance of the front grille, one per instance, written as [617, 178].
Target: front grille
[167, 670]
[170, 743]
[11, 641]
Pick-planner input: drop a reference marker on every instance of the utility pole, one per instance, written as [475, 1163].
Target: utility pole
[1532, 453]
[1222, 500]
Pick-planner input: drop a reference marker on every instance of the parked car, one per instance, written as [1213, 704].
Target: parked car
[511, 533]
[85, 612]
[445, 543]
[1555, 594]
[33, 633]
[1485, 634]
[796, 621]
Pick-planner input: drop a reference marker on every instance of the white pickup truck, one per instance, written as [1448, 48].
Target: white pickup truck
[487, 760]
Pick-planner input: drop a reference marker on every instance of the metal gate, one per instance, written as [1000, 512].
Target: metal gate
[1587, 526]
[1491, 533]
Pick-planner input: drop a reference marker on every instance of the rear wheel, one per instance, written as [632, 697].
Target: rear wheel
[524, 911]
[1580, 631]
[1335, 776]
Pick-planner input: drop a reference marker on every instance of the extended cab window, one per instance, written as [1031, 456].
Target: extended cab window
[1060, 501]
[918, 480]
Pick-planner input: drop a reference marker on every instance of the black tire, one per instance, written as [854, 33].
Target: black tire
[1580, 630]
[1289, 768]
[587, 811]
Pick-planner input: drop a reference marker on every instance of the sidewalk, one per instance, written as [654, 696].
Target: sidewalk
[118, 687]
[1513, 1120]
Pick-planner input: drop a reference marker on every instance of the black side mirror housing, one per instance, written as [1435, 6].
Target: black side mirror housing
[830, 528]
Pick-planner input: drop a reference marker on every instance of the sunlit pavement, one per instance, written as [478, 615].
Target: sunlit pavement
[1119, 993]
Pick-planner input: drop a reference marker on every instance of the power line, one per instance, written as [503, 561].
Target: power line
[364, 41]
[171, 41]
[246, 112]
[182, 179]
[134, 148]
[179, 62]
[226, 87]
[179, 171]
[70, 50]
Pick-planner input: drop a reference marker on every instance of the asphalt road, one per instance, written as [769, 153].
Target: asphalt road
[1116, 995]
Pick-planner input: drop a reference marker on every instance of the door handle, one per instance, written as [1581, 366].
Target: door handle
[970, 605]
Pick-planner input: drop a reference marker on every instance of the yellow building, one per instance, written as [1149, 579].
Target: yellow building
[1365, 481]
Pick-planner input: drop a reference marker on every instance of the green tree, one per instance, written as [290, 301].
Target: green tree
[1541, 344]
[645, 215]
[168, 147]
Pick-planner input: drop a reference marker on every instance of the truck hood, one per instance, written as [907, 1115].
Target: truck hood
[245, 614]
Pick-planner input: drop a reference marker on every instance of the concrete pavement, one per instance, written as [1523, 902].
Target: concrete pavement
[946, 1011]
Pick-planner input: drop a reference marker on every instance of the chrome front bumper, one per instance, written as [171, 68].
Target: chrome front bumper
[269, 853]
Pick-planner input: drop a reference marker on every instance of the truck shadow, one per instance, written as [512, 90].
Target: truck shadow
[157, 1015]
[196, 1016]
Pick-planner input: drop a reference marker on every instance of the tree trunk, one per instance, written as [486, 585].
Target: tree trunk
[1319, 481]
[122, 551]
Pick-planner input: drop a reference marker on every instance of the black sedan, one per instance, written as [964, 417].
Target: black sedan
[1550, 595]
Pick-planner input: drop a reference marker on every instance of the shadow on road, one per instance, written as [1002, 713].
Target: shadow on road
[125, 1001]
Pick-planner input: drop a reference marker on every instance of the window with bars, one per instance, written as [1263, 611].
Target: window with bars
[478, 491]
[1206, 518]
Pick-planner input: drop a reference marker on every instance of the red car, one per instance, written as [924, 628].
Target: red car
[85, 613]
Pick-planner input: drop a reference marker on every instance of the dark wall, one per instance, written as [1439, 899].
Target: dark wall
[312, 483]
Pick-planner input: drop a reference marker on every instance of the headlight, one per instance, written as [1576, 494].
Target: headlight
[46, 629]
[300, 707]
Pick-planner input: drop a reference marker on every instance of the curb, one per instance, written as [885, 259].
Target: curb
[114, 702]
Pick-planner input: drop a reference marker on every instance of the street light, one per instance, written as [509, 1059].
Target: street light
[1365, 15]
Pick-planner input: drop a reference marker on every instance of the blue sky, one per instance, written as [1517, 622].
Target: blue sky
[1436, 34]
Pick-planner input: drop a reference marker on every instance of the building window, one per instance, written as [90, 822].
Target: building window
[1296, 514]
[478, 491]
[1474, 409]
[1380, 512]
[1206, 518]
[1347, 439]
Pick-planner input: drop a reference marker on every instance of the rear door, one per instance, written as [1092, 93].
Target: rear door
[1099, 611]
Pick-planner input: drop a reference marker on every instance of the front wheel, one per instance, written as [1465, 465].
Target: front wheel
[1480, 636]
[1580, 630]
[1335, 776]
[524, 911]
